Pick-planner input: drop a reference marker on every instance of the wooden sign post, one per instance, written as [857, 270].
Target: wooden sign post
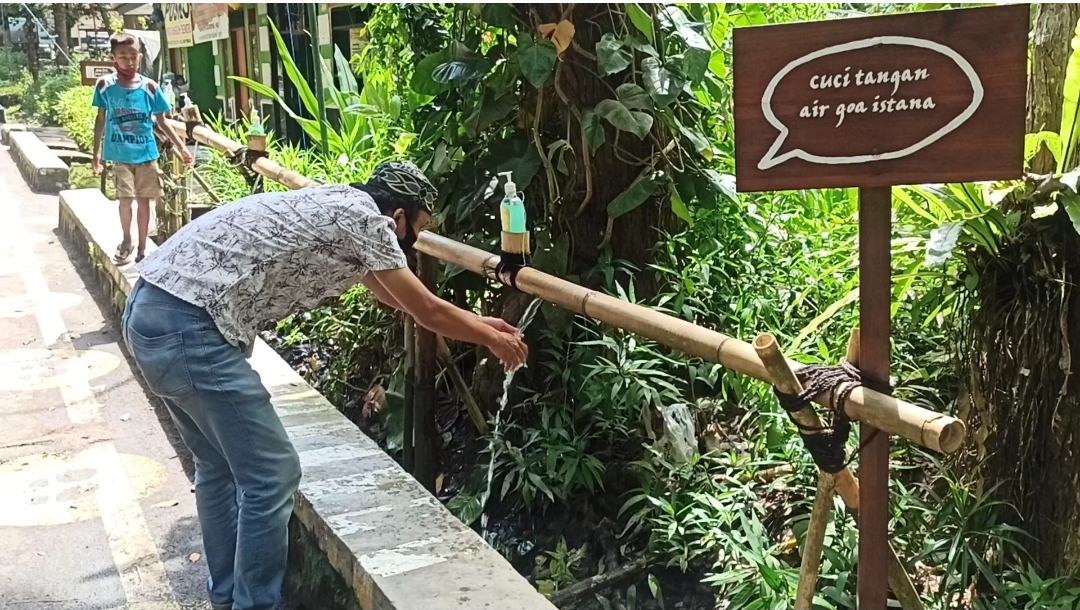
[872, 103]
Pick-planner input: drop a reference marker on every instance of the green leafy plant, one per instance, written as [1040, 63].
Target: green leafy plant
[362, 130]
[75, 112]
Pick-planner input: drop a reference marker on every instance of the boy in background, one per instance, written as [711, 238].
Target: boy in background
[129, 105]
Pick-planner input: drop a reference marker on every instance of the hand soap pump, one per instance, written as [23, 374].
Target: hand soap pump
[515, 232]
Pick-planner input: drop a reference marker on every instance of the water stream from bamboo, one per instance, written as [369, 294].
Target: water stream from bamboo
[492, 439]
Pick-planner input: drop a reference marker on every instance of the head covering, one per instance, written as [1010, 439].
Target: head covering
[405, 179]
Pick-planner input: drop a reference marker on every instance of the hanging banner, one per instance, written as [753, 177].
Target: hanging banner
[210, 22]
[936, 96]
[178, 24]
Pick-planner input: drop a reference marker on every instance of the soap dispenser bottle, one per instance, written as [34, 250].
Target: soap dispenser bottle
[515, 233]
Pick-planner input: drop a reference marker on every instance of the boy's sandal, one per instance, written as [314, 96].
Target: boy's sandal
[123, 253]
[141, 255]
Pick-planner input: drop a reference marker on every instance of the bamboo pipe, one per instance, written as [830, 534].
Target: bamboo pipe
[845, 483]
[928, 428]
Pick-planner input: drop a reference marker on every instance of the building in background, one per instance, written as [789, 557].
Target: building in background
[209, 42]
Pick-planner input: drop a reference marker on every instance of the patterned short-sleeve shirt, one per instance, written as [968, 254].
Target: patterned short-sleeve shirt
[263, 257]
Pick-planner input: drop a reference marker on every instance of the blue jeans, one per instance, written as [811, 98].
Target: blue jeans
[246, 470]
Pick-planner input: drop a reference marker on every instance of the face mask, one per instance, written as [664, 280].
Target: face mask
[126, 73]
[409, 241]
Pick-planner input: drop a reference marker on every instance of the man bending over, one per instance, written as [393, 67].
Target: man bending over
[190, 323]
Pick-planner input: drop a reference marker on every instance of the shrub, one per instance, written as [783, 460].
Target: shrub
[75, 112]
[12, 66]
[41, 97]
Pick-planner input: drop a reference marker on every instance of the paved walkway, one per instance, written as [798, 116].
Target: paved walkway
[96, 509]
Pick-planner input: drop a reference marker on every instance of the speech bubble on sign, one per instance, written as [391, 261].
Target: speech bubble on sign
[895, 78]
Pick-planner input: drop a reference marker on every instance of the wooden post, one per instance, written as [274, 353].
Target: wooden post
[424, 392]
[408, 457]
[875, 302]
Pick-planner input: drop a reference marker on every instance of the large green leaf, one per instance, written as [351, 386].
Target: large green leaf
[1069, 131]
[633, 97]
[718, 65]
[593, 129]
[661, 84]
[696, 139]
[721, 26]
[636, 194]
[346, 78]
[460, 71]
[311, 104]
[490, 109]
[498, 14]
[678, 206]
[1071, 203]
[641, 21]
[536, 58]
[422, 79]
[612, 56]
[616, 113]
[310, 126]
[696, 56]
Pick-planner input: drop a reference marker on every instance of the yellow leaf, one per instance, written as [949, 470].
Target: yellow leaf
[561, 34]
[194, 557]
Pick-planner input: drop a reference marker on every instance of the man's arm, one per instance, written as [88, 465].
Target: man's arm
[380, 293]
[99, 131]
[408, 294]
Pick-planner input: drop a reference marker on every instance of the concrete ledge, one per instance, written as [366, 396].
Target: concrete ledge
[391, 544]
[5, 131]
[40, 167]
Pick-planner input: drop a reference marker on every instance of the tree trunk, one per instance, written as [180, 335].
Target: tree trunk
[30, 39]
[1026, 402]
[63, 34]
[1053, 31]
[633, 235]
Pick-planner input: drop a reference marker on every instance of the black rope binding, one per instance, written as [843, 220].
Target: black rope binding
[826, 445]
[510, 263]
[242, 159]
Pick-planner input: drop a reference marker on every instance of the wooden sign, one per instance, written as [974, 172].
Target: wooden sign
[91, 71]
[916, 98]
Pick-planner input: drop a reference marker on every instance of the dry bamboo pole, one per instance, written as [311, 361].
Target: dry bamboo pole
[845, 483]
[475, 414]
[927, 428]
[809, 570]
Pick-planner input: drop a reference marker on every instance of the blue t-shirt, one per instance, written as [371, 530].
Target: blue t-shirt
[129, 126]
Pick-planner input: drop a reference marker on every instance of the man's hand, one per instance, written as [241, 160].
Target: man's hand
[186, 155]
[499, 324]
[509, 348]
[97, 165]
[401, 288]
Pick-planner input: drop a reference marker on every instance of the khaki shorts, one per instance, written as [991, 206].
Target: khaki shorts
[139, 181]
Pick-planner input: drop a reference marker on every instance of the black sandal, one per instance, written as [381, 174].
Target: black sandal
[123, 253]
[141, 255]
